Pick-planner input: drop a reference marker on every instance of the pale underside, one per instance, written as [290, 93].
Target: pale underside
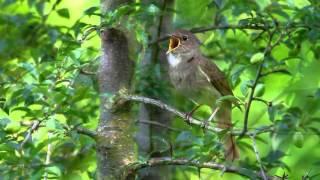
[190, 80]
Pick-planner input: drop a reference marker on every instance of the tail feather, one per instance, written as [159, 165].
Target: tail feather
[224, 122]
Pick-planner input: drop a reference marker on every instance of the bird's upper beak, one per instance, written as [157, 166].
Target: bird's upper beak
[174, 42]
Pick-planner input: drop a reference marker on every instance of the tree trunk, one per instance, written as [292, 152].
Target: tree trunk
[145, 132]
[115, 144]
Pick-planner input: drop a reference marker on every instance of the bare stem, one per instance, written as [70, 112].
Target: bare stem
[267, 51]
[254, 145]
[34, 126]
[48, 157]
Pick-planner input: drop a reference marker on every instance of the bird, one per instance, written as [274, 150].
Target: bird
[196, 77]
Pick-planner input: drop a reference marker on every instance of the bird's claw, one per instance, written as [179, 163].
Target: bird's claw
[205, 125]
[188, 117]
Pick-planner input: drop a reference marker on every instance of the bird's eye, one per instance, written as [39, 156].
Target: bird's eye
[184, 37]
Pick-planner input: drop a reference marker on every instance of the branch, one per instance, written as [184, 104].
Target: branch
[185, 162]
[267, 51]
[255, 149]
[86, 132]
[215, 27]
[190, 120]
[48, 157]
[33, 127]
[263, 27]
[79, 129]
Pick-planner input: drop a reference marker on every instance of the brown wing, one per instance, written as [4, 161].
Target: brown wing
[216, 77]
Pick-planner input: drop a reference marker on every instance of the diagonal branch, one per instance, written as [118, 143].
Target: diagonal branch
[33, 127]
[191, 120]
[254, 145]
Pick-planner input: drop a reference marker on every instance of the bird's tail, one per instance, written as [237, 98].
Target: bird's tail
[224, 122]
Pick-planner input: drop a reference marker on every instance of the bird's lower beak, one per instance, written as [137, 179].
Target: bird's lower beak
[174, 42]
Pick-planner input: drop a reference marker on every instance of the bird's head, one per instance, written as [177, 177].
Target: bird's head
[182, 42]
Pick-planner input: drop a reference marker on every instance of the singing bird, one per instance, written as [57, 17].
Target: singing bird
[196, 77]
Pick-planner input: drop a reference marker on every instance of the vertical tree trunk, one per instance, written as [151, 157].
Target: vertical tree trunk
[152, 57]
[115, 144]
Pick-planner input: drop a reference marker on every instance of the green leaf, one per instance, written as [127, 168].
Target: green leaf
[54, 170]
[40, 7]
[298, 139]
[263, 3]
[64, 12]
[91, 11]
[30, 68]
[13, 127]
[235, 75]
[244, 87]
[256, 58]
[259, 91]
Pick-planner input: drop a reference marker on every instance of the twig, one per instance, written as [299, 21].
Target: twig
[34, 126]
[86, 132]
[48, 157]
[80, 130]
[190, 120]
[158, 124]
[283, 71]
[267, 50]
[262, 100]
[82, 71]
[213, 114]
[263, 27]
[254, 145]
[215, 27]
[185, 162]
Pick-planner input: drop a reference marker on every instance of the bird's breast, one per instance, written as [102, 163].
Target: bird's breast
[173, 60]
[188, 80]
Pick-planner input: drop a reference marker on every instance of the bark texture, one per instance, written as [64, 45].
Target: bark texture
[115, 144]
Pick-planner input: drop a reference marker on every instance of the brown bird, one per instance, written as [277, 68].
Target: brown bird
[199, 79]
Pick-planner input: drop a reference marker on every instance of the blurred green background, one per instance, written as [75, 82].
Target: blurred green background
[49, 53]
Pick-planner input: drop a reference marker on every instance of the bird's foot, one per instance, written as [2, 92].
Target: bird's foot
[205, 125]
[188, 115]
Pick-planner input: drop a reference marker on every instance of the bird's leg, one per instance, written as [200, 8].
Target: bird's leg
[190, 113]
[206, 122]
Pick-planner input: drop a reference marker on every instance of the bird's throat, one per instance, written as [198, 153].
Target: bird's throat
[174, 60]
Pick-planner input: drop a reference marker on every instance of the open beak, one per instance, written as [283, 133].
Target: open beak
[174, 42]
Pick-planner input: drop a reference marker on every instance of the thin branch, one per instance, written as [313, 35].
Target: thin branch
[82, 71]
[267, 103]
[80, 130]
[254, 145]
[267, 50]
[282, 71]
[185, 162]
[35, 125]
[48, 157]
[86, 132]
[239, 27]
[158, 124]
[191, 120]
[215, 27]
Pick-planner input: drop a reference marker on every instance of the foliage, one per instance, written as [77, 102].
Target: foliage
[49, 52]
